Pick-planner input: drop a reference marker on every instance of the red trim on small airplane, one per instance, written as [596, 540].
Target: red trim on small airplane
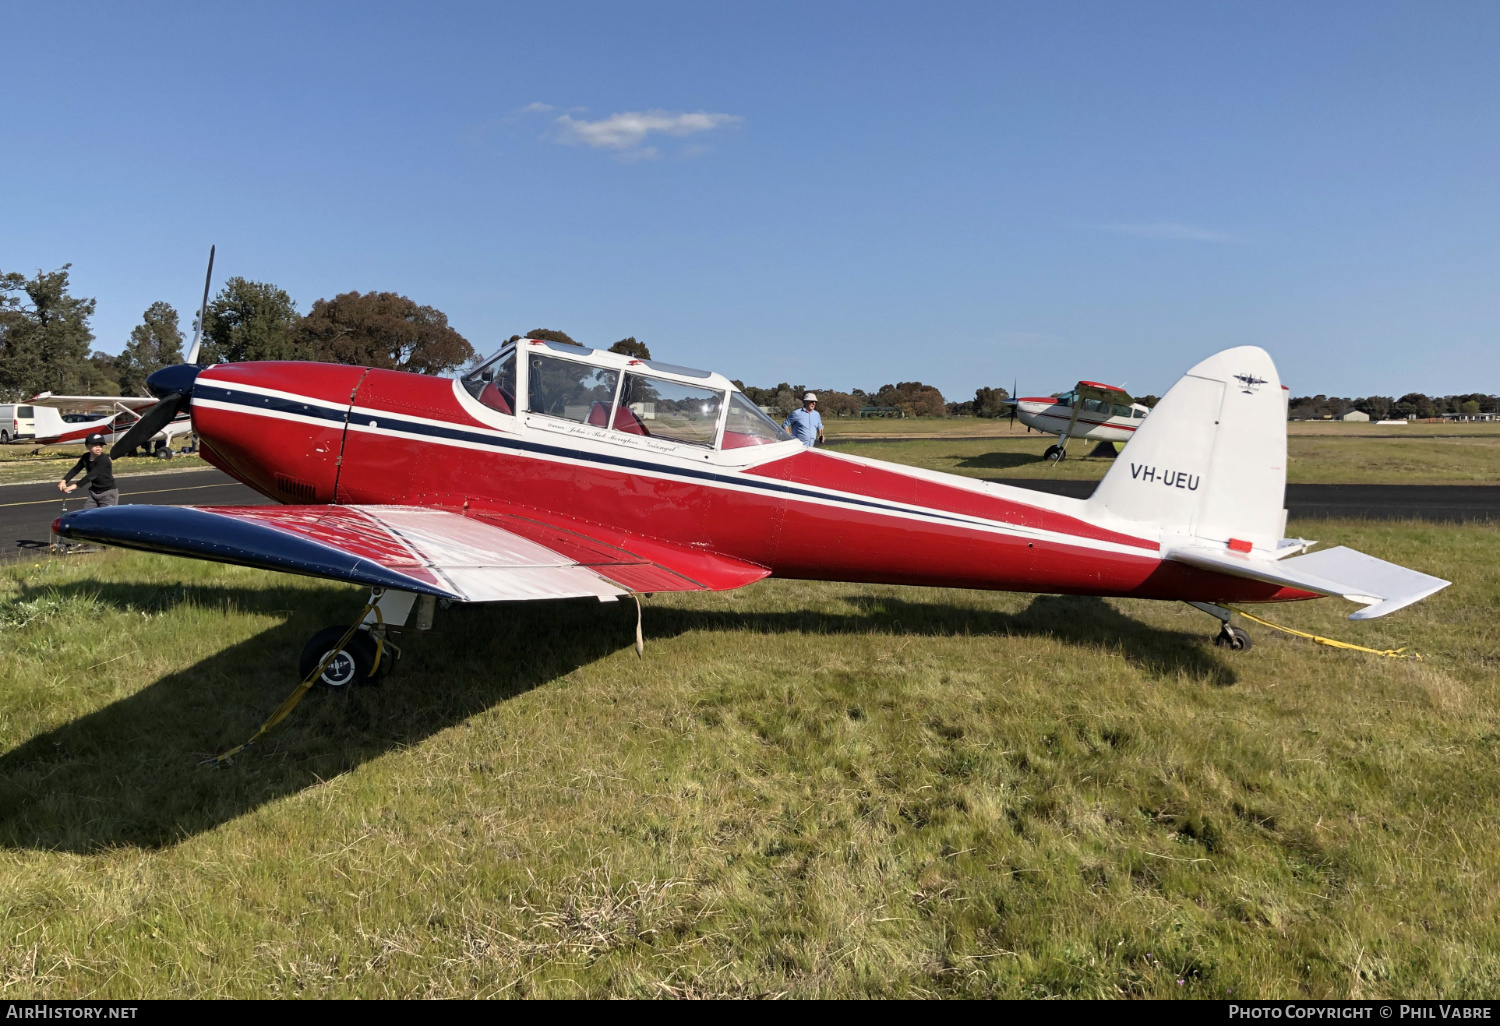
[821, 470]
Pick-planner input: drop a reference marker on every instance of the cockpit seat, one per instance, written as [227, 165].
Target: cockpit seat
[625, 419]
[495, 399]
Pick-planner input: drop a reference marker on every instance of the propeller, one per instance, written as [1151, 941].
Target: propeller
[1015, 384]
[174, 387]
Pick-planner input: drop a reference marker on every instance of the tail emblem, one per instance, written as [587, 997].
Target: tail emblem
[1251, 382]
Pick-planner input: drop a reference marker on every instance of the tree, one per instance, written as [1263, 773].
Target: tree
[103, 375]
[833, 403]
[548, 335]
[630, 347]
[990, 402]
[1415, 404]
[44, 334]
[1469, 408]
[913, 398]
[382, 329]
[1148, 401]
[154, 343]
[251, 320]
[1377, 407]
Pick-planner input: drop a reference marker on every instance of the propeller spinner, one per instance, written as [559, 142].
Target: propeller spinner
[174, 387]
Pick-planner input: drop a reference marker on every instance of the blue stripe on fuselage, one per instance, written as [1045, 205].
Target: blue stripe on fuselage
[392, 422]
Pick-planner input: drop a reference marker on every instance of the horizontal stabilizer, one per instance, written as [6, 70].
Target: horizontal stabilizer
[1380, 586]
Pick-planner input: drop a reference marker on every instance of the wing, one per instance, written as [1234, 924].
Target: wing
[1380, 586]
[89, 403]
[467, 558]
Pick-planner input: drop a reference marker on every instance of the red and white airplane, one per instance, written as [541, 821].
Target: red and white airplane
[1096, 411]
[111, 415]
[554, 471]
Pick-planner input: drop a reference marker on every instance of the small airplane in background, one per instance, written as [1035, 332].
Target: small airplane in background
[72, 418]
[1095, 411]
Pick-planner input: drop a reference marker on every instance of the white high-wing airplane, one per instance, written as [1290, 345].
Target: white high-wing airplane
[110, 415]
[1104, 413]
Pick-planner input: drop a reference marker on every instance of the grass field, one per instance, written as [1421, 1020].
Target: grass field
[803, 789]
[1317, 453]
[21, 464]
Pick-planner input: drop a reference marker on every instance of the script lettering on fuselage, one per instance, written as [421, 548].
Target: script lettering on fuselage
[1170, 478]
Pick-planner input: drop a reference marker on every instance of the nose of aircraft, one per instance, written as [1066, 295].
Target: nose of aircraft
[174, 380]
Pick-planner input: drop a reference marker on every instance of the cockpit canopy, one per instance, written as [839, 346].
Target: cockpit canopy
[646, 398]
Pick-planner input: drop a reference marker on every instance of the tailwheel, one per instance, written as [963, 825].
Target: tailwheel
[353, 664]
[1054, 453]
[1236, 639]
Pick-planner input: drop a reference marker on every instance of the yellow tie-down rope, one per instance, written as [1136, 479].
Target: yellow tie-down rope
[284, 710]
[1390, 653]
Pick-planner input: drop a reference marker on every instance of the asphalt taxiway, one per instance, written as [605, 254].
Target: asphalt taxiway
[27, 510]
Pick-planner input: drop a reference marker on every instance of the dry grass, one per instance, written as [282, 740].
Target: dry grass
[803, 789]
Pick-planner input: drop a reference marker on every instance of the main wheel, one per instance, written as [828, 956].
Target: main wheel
[352, 665]
[1054, 453]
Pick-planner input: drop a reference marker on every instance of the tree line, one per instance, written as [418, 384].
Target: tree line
[909, 398]
[1383, 407]
[46, 339]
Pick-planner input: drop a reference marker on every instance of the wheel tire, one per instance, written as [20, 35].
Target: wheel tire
[1054, 453]
[352, 666]
[1235, 639]
[163, 454]
[4, 437]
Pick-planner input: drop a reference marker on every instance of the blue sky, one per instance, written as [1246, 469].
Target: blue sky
[836, 194]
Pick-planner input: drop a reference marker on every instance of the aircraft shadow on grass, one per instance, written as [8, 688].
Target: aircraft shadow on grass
[128, 775]
[1000, 460]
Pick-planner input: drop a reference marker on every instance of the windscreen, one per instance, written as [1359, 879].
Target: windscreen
[746, 424]
[672, 410]
[570, 390]
[494, 382]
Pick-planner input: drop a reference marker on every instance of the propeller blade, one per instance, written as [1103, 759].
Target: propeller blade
[1015, 384]
[202, 310]
[153, 420]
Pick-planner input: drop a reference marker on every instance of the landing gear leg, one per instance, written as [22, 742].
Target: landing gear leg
[1057, 452]
[1236, 639]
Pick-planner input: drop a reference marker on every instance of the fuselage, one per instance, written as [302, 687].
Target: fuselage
[306, 434]
[1096, 420]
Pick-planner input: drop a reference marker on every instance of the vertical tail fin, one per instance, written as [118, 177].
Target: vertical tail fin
[1210, 460]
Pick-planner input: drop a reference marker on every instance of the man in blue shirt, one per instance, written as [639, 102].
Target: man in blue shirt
[806, 425]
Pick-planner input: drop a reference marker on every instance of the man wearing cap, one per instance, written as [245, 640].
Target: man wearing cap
[806, 424]
[98, 474]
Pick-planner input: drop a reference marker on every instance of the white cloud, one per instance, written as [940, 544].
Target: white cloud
[1172, 230]
[625, 132]
[537, 108]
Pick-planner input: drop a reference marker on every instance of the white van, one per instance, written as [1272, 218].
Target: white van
[16, 422]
